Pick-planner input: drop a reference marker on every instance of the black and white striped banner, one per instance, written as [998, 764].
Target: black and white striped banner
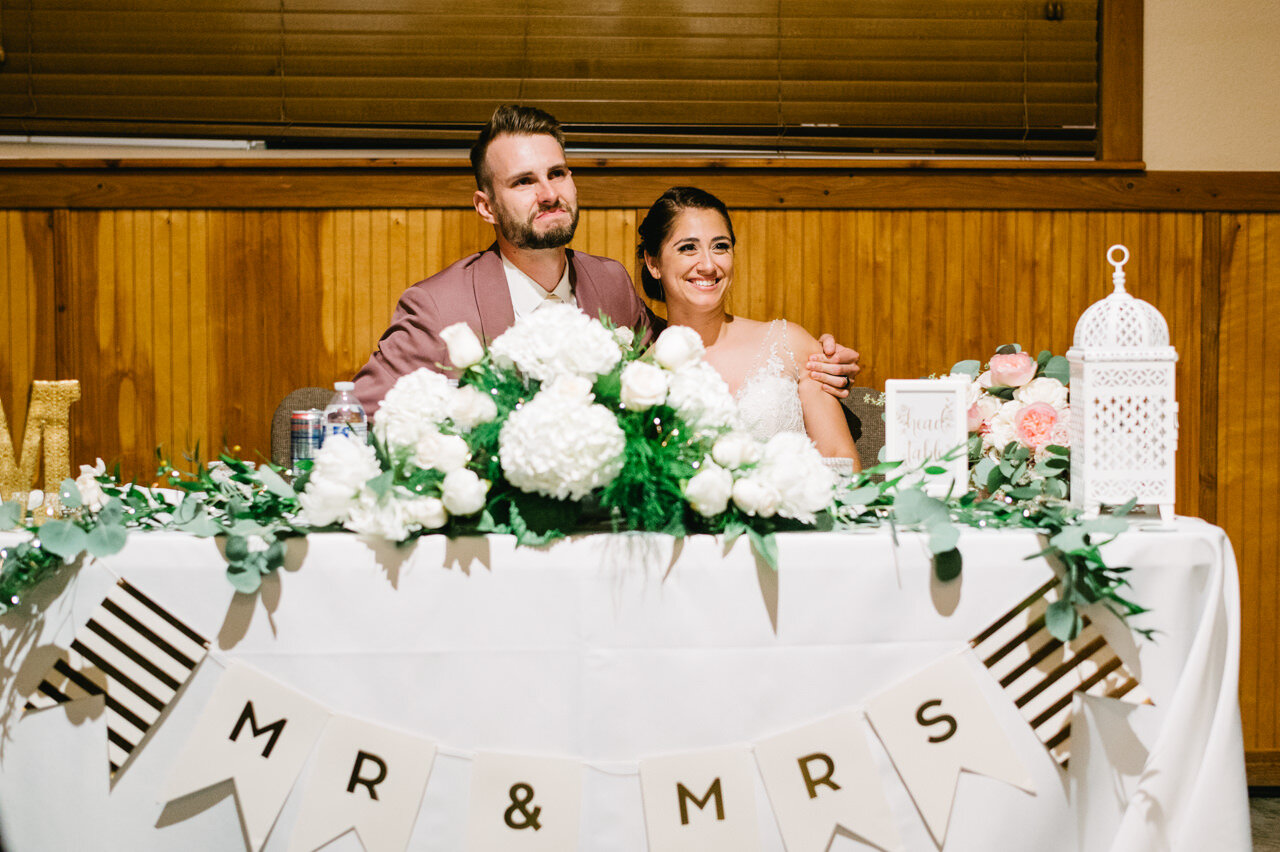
[133, 652]
[1040, 673]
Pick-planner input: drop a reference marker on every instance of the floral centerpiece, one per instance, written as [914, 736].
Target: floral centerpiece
[1018, 437]
[563, 422]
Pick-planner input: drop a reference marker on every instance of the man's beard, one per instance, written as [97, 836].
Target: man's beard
[520, 232]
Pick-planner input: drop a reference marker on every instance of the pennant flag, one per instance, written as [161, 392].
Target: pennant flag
[255, 731]
[522, 803]
[365, 777]
[936, 723]
[821, 777]
[700, 801]
[136, 654]
[1040, 673]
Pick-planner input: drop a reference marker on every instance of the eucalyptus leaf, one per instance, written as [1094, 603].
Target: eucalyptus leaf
[1063, 621]
[10, 514]
[246, 581]
[943, 536]
[1008, 349]
[947, 565]
[1058, 368]
[274, 484]
[1069, 539]
[237, 549]
[913, 506]
[861, 496]
[186, 511]
[201, 526]
[765, 546]
[381, 483]
[970, 368]
[69, 494]
[1106, 525]
[63, 539]
[106, 539]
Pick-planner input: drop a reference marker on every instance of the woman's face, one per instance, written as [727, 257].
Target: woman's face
[696, 262]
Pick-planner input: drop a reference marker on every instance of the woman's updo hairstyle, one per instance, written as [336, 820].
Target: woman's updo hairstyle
[658, 222]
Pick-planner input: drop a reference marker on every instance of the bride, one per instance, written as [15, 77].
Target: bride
[686, 246]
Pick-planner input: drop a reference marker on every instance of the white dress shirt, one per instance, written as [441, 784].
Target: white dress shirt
[528, 295]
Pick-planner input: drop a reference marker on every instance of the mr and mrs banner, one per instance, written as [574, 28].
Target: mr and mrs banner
[820, 777]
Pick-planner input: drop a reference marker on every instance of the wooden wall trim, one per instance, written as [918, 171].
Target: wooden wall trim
[615, 187]
[1262, 768]
[1210, 308]
[1120, 81]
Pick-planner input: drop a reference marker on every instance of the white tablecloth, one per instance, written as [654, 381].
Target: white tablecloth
[615, 648]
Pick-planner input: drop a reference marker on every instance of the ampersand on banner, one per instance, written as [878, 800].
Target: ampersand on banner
[521, 796]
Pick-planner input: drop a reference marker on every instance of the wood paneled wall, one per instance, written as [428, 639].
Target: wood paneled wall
[189, 325]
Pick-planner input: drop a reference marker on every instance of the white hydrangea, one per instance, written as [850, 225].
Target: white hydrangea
[792, 466]
[557, 340]
[339, 472]
[416, 404]
[701, 397]
[561, 444]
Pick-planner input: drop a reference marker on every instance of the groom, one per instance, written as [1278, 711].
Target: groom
[525, 190]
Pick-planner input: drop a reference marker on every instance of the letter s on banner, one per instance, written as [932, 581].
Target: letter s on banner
[703, 801]
[937, 722]
[228, 742]
[367, 777]
[822, 775]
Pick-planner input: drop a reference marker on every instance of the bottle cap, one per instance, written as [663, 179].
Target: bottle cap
[344, 386]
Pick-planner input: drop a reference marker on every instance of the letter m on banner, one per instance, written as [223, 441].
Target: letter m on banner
[48, 425]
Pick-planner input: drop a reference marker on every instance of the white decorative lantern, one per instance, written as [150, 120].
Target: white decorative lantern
[1124, 415]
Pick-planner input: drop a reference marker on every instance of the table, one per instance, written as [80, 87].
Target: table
[611, 648]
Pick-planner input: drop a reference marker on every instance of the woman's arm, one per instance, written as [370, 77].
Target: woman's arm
[823, 416]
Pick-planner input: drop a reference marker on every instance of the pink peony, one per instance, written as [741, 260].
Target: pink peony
[981, 412]
[1012, 371]
[1036, 425]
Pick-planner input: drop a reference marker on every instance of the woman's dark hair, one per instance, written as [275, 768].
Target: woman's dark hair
[657, 224]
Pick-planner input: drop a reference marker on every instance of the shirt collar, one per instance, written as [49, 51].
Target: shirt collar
[527, 294]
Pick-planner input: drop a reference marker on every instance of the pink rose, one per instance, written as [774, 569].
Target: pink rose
[1012, 371]
[981, 412]
[1036, 425]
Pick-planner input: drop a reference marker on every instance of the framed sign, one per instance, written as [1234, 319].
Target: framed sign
[924, 420]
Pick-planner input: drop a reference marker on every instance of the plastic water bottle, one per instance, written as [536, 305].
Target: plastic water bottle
[344, 415]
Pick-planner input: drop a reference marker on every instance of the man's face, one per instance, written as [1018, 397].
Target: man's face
[531, 198]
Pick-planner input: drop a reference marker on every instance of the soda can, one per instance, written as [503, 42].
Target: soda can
[306, 433]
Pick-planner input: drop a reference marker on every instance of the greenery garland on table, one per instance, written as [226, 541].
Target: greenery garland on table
[647, 443]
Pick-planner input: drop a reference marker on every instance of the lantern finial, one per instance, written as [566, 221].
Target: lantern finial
[1117, 277]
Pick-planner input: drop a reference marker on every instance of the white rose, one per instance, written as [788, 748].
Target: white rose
[625, 336]
[381, 518]
[465, 349]
[463, 492]
[677, 346]
[339, 472]
[426, 512]
[1002, 428]
[90, 489]
[736, 449]
[471, 407]
[755, 497]
[440, 451]
[1043, 389]
[792, 466]
[709, 489]
[643, 385]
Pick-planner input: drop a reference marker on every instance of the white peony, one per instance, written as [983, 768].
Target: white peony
[470, 407]
[709, 489]
[643, 386]
[560, 443]
[90, 489]
[792, 466]
[465, 349]
[1002, 426]
[425, 512]
[339, 472]
[443, 452]
[556, 340]
[415, 405]
[736, 449]
[701, 397]
[1043, 389]
[677, 347]
[463, 492]
[755, 497]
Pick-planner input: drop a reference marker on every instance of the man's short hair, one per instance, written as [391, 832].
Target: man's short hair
[514, 120]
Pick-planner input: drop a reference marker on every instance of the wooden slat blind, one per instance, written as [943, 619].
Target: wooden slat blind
[879, 75]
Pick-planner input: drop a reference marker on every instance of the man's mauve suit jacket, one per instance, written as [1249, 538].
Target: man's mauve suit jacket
[474, 290]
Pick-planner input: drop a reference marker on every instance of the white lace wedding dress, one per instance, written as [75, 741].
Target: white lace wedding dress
[769, 397]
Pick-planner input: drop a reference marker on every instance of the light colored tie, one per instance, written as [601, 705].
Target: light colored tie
[551, 299]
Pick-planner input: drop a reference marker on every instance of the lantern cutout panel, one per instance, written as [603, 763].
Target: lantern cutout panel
[1124, 415]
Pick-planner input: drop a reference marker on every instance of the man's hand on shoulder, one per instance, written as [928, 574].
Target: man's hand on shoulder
[835, 368]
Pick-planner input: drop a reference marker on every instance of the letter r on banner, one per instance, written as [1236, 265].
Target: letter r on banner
[255, 731]
[703, 801]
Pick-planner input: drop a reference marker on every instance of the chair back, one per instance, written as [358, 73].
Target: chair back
[281, 423]
[866, 422]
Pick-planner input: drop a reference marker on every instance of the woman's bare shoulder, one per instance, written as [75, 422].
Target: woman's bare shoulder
[802, 343]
